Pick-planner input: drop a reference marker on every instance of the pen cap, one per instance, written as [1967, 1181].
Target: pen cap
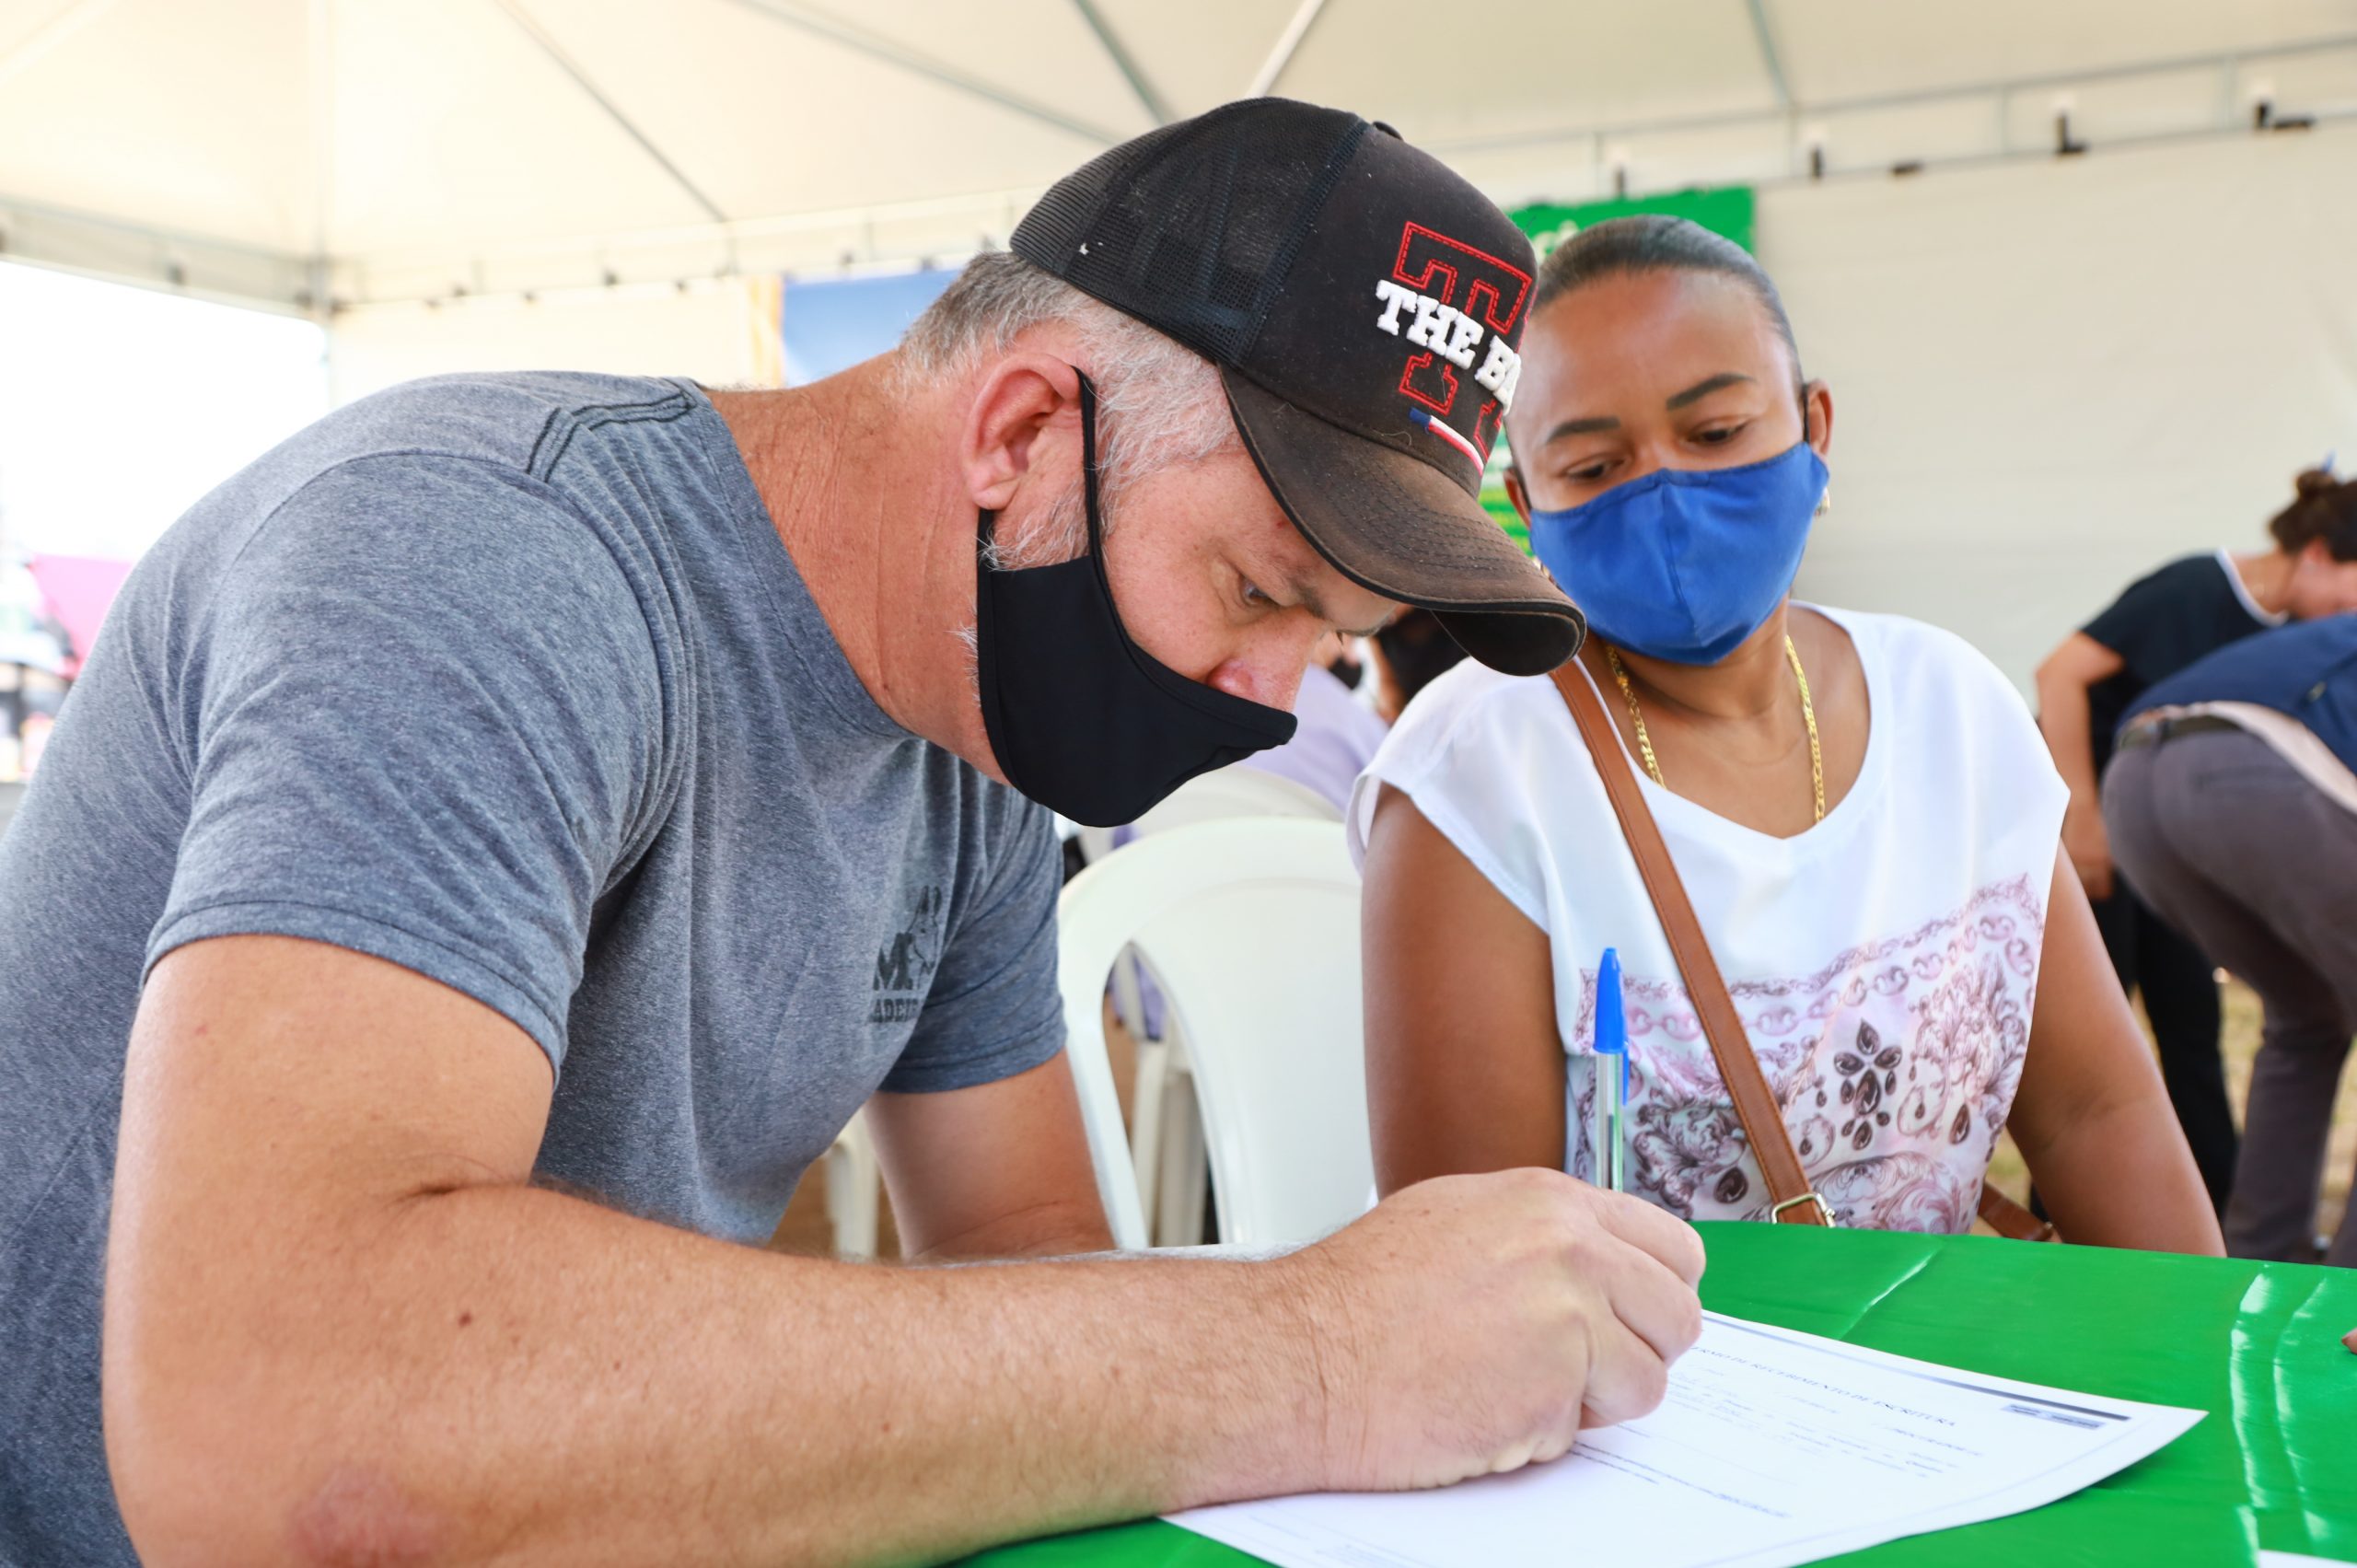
[1611, 1014]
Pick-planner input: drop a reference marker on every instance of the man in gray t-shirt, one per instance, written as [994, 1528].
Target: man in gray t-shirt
[504, 833]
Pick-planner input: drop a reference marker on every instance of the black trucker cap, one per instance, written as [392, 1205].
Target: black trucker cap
[1364, 305]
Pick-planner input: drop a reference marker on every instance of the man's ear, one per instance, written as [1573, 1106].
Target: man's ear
[1016, 400]
[1817, 401]
[1515, 494]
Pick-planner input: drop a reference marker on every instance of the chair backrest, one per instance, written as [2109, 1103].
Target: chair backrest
[1251, 926]
[1236, 791]
[1233, 791]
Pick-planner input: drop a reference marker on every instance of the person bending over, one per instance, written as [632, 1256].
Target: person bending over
[392, 1110]
[1858, 805]
[2162, 623]
[2233, 803]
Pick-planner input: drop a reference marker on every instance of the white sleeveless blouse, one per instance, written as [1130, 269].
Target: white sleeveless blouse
[1884, 963]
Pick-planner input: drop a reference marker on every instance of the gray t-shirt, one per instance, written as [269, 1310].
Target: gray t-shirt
[509, 681]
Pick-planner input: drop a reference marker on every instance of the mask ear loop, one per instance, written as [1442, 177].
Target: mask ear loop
[1207, 699]
[986, 522]
[1091, 503]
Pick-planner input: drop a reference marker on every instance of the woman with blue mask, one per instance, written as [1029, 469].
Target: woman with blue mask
[1860, 807]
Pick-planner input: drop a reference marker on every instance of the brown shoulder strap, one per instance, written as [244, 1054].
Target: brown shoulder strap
[2008, 1218]
[1755, 1103]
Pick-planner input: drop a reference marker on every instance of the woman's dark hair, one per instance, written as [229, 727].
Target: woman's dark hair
[1657, 242]
[2326, 509]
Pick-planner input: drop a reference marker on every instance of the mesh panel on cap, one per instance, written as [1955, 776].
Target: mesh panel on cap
[1192, 228]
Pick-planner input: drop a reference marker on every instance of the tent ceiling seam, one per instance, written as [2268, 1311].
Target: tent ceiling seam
[1907, 99]
[195, 265]
[1288, 44]
[580, 79]
[1123, 62]
[1769, 60]
[52, 33]
[836, 30]
[203, 282]
[610, 243]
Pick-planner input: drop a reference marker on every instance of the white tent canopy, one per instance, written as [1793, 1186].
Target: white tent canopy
[2051, 372]
[295, 152]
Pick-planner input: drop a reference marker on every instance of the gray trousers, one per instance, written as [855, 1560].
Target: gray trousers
[2233, 848]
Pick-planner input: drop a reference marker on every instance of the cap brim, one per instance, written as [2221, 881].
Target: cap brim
[1399, 527]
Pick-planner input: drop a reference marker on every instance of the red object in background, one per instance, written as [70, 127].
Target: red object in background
[78, 589]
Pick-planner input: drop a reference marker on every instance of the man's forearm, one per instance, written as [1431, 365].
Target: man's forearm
[510, 1375]
[1051, 1230]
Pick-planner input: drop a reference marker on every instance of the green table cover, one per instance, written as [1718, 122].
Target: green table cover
[2258, 1346]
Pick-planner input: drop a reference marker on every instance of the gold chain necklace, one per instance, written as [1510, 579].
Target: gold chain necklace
[1808, 716]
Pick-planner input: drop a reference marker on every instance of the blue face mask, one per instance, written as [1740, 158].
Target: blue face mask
[1685, 564]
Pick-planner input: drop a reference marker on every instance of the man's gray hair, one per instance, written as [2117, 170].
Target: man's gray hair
[1158, 402]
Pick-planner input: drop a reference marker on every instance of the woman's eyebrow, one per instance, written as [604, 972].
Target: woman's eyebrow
[1704, 388]
[1582, 427]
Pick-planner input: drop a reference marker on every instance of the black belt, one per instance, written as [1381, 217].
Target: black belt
[2152, 732]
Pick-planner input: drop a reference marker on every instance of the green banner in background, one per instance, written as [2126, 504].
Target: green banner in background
[1724, 210]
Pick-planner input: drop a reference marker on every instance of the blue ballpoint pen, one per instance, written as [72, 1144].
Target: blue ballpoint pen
[1611, 1076]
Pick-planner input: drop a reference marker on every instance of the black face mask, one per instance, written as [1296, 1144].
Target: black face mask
[1082, 719]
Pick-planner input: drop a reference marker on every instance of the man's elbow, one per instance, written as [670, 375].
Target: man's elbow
[214, 1472]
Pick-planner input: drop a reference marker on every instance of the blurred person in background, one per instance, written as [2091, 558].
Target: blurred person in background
[1859, 806]
[1341, 723]
[1409, 654]
[2232, 804]
[1334, 734]
[2162, 623]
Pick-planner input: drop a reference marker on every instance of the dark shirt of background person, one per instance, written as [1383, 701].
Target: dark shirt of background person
[2194, 606]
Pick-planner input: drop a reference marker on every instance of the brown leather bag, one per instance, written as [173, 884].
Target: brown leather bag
[1791, 1200]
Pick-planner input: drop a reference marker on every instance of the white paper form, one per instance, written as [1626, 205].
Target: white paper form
[1772, 1448]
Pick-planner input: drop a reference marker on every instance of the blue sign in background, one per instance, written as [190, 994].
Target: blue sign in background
[830, 324]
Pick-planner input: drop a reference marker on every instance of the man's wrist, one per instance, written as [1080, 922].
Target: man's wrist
[1312, 1303]
[1261, 1344]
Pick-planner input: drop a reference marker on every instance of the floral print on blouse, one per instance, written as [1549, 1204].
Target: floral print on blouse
[1895, 1065]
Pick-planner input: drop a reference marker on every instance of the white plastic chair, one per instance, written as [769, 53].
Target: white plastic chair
[1166, 1129]
[854, 1189]
[1236, 791]
[1166, 1148]
[1250, 925]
